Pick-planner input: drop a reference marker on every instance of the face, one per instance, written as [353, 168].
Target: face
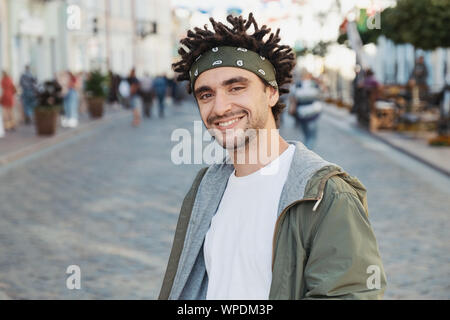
[232, 101]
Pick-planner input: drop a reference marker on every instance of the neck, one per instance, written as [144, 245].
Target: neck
[259, 151]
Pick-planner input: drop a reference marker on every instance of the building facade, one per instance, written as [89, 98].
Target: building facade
[80, 35]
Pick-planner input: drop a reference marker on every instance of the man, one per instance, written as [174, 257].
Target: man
[134, 97]
[28, 84]
[357, 86]
[418, 78]
[420, 72]
[147, 94]
[7, 101]
[160, 89]
[304, 97]
[287, 226]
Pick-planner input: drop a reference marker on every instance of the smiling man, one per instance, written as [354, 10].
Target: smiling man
[275, 220]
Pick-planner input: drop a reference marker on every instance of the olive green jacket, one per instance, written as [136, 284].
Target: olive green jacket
[323, 243]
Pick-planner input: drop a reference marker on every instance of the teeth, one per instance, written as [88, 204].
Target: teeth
[225, 124]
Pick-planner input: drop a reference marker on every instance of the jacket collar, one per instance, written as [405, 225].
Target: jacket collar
[305, 165]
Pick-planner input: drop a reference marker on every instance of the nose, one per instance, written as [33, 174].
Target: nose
[222, 103]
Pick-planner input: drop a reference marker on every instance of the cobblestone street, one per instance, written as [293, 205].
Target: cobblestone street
[108, 201]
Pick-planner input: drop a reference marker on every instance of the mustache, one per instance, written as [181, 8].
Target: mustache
[213, 119]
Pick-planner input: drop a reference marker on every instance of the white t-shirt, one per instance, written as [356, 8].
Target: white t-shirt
[238, 244]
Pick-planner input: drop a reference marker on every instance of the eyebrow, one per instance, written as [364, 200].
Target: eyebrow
[234, 80]
[224, 83]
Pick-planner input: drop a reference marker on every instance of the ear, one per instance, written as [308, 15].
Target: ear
[273, 96]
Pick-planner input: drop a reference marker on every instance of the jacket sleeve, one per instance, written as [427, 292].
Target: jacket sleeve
[344, 261]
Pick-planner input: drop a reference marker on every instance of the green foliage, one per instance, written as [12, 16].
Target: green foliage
[94, 85]
[320, 49]
[367, 36]
[423, 23]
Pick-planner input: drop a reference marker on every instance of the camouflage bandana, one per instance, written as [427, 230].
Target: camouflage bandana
[233, 57]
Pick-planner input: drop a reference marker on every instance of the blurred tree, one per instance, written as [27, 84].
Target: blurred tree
[319, 49]
[422, 23]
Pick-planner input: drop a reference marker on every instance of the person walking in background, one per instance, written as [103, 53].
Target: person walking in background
[147, 94]
[124, 93]
[113, 91]
[420, 72]
[371, 86]
[357, 86]
[70, 102]
[7, 102]
[82, 104]
[419, 77]
[172, 85]
[2, 130]
[160, 88]
[306, 108]
[134, 97]
[28, 84]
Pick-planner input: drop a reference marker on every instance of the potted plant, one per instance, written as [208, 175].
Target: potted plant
[48, 108]
[94, 88]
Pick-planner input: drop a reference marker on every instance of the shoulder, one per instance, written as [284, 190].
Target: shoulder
[344, 195]
[337, 185]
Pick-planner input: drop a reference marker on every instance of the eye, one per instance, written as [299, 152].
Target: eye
[236, 88]
[205, 96]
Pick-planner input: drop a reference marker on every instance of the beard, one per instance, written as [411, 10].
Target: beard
[238, 139]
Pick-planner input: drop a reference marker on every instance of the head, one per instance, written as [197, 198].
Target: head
[232, 100]
[420, 60]
[307, 76]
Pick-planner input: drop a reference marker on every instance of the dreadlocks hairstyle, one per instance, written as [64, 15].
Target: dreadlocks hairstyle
[201, 40]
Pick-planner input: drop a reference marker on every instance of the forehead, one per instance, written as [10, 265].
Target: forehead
[214, 77]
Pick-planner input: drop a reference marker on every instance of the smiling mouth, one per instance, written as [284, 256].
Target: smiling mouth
[229, 123]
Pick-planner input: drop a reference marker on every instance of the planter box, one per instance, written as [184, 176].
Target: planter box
[95, 107]
[46, 120]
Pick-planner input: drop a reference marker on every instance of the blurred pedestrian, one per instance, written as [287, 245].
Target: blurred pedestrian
[172, 85]
[370, 82]
[420, 72]
[146, 92]
[134, 97]
[2, 130]
[306, 108]
[28, 84]
[7, 101]
[418, 77]
[70, 102]
[371, 87]
[160, 88]
[82, 104]
[124, 93]
[113, 90]
[358, 92]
